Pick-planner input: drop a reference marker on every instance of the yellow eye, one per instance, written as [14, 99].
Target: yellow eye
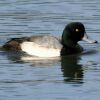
[77, 30]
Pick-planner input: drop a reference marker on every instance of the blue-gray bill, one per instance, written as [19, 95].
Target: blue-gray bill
[89, 40]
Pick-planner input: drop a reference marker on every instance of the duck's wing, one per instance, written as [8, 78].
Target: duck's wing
[42, 40]
[42, 46]
[47, 41]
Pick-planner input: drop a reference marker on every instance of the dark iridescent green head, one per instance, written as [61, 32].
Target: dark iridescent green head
[73, 33]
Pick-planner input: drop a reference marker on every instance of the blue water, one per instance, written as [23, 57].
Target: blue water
[73, 77]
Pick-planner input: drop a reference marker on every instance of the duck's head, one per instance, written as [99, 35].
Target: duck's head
[73, 33]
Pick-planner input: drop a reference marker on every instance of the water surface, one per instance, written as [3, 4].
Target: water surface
[71, 77]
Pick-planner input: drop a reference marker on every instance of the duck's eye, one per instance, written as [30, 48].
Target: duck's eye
[77, 30]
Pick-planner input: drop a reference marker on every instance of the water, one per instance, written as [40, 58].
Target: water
[71, 78]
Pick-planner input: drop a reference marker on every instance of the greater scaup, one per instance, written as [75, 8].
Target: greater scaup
[51, 46]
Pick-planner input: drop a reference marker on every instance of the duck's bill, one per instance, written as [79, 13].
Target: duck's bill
[87, 39]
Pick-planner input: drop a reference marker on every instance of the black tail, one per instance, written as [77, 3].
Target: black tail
[14, 44]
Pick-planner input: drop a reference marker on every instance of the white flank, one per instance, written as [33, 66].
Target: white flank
[37, 50]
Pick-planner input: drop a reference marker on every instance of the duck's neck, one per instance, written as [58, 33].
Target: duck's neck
[69, 44]
[70, 48]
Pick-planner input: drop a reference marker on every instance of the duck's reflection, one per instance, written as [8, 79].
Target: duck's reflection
[72, 70]
[13, 56]
[20, 57]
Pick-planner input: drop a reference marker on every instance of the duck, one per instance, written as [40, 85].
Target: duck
[51, 46]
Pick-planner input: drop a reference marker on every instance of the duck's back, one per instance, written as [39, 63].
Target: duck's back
[42, 46]
[47, 41]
